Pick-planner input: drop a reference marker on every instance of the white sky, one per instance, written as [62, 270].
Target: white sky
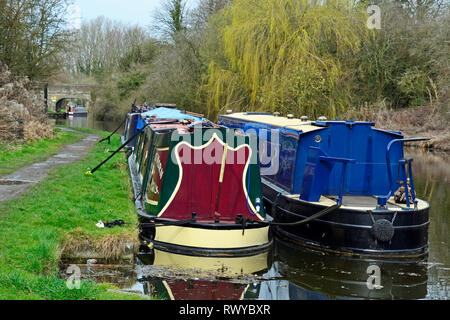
[126, 11]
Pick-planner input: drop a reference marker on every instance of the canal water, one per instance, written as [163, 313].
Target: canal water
[291, 273]
[89, 122]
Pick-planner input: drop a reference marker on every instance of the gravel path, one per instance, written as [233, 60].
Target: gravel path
[14, 184]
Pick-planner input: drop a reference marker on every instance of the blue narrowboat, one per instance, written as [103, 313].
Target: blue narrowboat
[338, 186]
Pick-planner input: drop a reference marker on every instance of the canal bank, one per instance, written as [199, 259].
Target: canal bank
[16, 156]
[55, 220]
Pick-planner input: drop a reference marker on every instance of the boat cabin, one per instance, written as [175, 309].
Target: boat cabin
[327, 158]
[188, 168]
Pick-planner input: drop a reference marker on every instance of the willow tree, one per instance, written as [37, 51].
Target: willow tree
[286, 55]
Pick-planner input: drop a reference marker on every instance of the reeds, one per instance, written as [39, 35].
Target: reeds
[430, 120]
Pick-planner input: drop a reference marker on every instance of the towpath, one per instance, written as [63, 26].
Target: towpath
[14, 184]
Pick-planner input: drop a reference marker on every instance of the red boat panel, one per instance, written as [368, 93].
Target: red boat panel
[210, 184]
[205, 290]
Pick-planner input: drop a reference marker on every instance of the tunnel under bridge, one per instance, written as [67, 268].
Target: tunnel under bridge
[56, 93]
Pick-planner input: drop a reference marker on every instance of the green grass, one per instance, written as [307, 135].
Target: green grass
[64, 207]
[15, 156]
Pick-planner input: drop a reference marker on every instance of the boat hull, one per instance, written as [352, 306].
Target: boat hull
[208, 239]
[198, 238]
[348, 231]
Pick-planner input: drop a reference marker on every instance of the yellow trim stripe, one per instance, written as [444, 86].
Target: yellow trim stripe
[212, 238]
[169, 291]
[224, 162]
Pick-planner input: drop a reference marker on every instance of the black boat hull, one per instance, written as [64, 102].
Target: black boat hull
[346, 231]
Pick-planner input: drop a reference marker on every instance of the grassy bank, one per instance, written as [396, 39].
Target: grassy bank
[53, 217]
[15, 156]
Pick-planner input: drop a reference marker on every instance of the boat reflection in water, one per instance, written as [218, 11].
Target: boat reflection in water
[312, 275]
[285, 273]
[173, 276]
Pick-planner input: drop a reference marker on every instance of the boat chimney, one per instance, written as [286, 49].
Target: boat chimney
[304, 118]
[229, 111]
[290, 116]
[276, 114]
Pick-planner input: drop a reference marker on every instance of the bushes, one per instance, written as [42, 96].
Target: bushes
[405, 63]
[22, 112]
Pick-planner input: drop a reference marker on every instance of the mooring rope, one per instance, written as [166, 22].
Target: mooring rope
[109, 137]
[166, 223]
[91, 172]
[309, 219]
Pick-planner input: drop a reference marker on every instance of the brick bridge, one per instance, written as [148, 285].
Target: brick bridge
[56, 93]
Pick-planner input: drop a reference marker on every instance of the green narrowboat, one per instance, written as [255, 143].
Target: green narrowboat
[197, 189]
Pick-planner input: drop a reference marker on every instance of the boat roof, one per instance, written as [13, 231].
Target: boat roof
[282, 122]
[183, 127]
[290, 123]
[169, 113]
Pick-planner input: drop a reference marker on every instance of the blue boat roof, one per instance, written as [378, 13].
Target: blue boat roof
[291, 156]
[169, 113]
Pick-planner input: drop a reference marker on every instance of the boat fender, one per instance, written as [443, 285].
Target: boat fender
[383, 230]
[400, 194]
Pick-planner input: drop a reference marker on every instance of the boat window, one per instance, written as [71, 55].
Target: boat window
[141, 150]
[138, 146]
[145, 154]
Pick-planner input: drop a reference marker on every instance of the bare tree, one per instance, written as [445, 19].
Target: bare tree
[205, 9]
[32, 33]
[170, 18]
[101, 44]
[424, 9]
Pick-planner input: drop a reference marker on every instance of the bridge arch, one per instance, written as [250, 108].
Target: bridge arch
[56, 93]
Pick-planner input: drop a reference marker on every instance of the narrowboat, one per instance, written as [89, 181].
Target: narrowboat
[197, 190]
[337, 186]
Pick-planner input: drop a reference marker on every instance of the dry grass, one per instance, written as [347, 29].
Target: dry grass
[108, 248]
[22, 111]
[35, 130]
[431, 121]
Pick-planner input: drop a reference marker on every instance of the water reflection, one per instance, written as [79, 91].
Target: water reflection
[179, 277]
[310, 274]
[432, 179]
[294, 274]
[89, 122]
